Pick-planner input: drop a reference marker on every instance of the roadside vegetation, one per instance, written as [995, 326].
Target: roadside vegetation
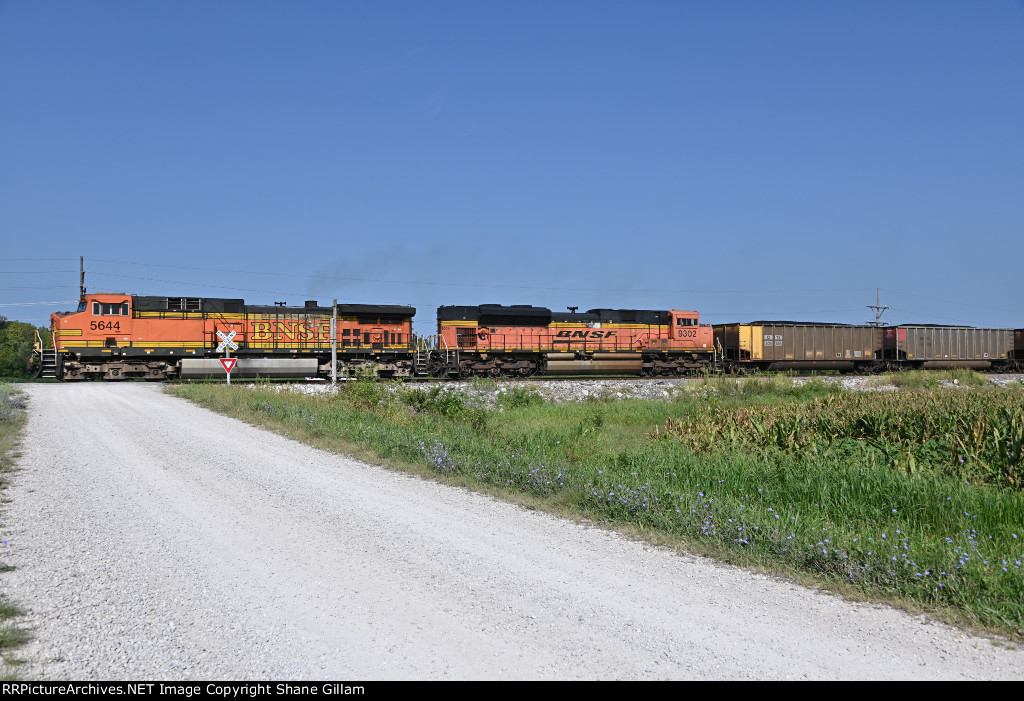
[12, 421]
[912, 497]
[931, 379]
[16, 341]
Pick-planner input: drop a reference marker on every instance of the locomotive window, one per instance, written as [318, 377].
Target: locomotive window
[345, 332]
[106, 309]
[686, 322]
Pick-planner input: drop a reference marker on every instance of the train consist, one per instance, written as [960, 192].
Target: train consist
[120, 336]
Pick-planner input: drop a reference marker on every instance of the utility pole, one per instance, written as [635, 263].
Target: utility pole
[877, 306]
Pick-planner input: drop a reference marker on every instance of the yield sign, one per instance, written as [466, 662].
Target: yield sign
[229, 364]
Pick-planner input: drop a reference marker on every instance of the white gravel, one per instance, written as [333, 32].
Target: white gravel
[156, 540]
[486, 393]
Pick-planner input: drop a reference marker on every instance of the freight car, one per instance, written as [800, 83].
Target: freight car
[791, 345]
[932, 346]
[119, 336]
[523, 340]
[788, 345]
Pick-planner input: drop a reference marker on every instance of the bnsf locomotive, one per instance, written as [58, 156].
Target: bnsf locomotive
[119, 336]
[492, 339]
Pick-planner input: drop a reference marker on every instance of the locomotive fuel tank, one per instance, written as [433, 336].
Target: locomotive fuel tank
[598, 364]
[194, 368]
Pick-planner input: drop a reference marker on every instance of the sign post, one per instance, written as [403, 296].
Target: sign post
[226, 346]
[229, 364]
[334, 344]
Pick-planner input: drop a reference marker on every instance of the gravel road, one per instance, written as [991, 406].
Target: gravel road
[156, 540]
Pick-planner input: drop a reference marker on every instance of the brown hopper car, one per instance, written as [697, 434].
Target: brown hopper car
[785, 345]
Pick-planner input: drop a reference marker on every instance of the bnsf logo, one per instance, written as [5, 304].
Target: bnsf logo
[584, 334]
[290, 331]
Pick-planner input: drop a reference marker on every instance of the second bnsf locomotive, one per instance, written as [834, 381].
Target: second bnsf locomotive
[492, 339]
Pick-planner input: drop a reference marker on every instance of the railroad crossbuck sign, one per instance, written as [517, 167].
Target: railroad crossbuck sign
[226, 342]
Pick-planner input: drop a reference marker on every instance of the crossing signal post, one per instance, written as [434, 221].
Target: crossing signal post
[226, 346]
[334, 344]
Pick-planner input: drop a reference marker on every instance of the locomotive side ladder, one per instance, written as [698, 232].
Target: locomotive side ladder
[49, 363]
[421, 358]
[47, 359]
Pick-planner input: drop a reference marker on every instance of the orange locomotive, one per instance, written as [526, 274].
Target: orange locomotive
[522, 340]
[119, 336]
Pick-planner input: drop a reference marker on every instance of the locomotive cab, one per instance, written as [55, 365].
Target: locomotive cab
[686, 331]
[101, 321]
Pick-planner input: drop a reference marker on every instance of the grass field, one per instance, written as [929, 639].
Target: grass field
[913, 497]
[12, 421]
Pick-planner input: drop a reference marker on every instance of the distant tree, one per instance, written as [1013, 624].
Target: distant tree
[16, 341]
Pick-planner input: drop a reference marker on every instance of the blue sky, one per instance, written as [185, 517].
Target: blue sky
[748, 159]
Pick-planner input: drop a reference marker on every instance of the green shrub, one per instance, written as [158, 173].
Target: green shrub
[519, 398]
[365, 392]
[438, 400]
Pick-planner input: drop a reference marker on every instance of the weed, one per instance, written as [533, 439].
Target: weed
[519, 397]
[365, 392]
[438, 400]
[12, 420]
[483, 384]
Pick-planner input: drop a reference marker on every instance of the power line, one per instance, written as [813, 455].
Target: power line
[37, 304]
[962, 304]
[930, 316]
[234, 289]
[308, 276]
[58, 287]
